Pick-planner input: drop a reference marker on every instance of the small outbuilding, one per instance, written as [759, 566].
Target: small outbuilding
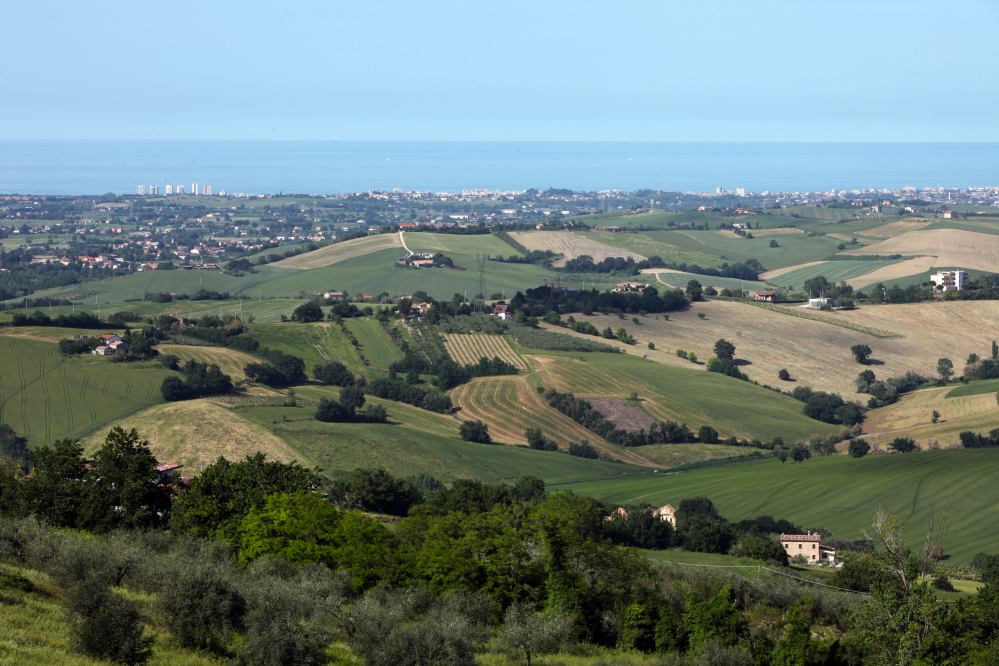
[768, 296]
[821, 303]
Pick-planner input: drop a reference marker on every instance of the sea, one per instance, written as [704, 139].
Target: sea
[89, 167]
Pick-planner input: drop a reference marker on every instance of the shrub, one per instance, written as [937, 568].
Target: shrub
[859, 448]
[307, 312]
[943, 584]
[475, 431]
[333, 373]
[583, 450]
[200, 608]
[861, 353]
[784, 375]
[332, 412]
[106, 625]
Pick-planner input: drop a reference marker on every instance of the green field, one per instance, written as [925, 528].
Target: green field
[375, 344]
[44, 396]
[647, 247]
[795, 248]
[704, 397]
[265, 311]
[975, 388]
[310, 342]
[339, 447]
[680, 281]
[842, 493]
[834, 271]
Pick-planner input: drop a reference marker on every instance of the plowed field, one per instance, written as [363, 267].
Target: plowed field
[337, 252]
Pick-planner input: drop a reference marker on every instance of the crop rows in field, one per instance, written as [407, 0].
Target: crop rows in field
[467, 349]
[834, 271]
[509, 405]
[679, 280]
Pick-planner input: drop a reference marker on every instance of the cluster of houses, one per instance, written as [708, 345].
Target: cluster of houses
[424, 260]
[809, 545]
[109, 345]
[631, 286]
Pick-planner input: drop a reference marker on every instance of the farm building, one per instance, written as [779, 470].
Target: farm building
[820, 303]
[949, 214]
[166, 470]
[666, 513]
[108, 339]
[423, 263]
[630, 286]
[420, 309]
[740, 225]
[808, 546]
[768, 296]
[103, 350]
[949, 280]
[335, 296]
[617, 513]
[503, 312]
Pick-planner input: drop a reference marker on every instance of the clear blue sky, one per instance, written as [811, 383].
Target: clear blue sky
[661, 70]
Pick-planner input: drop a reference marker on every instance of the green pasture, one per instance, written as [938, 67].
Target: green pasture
[794, 248]
[45, 396]
[118, 290]
[265, 311]
[376, 272]
[341, 447]
[648, 247]
[975, 388]
[842, 494]
[834, 271]
[312, 343]
[375, 344]
[680, 280]
[820, 213]
[742, 405]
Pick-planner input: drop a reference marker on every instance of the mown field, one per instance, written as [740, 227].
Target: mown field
[733, 407]
[374, 343]
[266, 311]
[912, 416]
[469, 349]
[337, 252]
[834, 271]
[45, 396]
[794, 248]
[679, 280]
[842, 494]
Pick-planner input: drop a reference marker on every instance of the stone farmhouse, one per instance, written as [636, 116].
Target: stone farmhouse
[808, 546]
[112, 343]
[335, 296]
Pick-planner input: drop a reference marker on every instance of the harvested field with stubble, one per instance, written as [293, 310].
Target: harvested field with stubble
[467, 349]
[510, 405]
[570, 245]
[894, 271]
[815, 353]
[230, 361]
[912, 417]
[951, 247]
[337, 252]
[898, 228]
[187, 432]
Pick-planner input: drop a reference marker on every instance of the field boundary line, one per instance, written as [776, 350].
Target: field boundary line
[761, 568]
[866, 330]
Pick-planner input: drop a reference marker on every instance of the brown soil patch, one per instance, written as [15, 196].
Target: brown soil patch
[624, 415]
[570, 245]
[337, 252]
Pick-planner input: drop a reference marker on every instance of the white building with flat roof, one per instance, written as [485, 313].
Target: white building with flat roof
[194, 189]
[154, 190]
[169, 189]
[949, 280]
[208, 190]
[180, 189]
[141, 191]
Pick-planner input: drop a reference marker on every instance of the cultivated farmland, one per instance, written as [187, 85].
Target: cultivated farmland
[374, 342]
[570, 245]
[841, 493]
[679, 280]
[230, 361]
[951, 247]
[834, 271]
[338, 252]
[912, 416]
[467, 349]
[45, 396]
[510, 405]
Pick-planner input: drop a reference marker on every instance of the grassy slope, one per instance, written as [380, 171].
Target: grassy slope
[266, 311]
[374, 342]
[842, 493]
[975, 388]
[45, 396]
[794, 248]
[698, 398]
[34, 630]
[404, 451]
[834, 271]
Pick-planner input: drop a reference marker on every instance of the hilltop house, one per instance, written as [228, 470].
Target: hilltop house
[335, 296]
[166, 470]
[666, 514]
[630, 286]
[767, 296]
[502, 311]
[808, 546]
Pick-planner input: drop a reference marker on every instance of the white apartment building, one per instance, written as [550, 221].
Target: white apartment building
[949, 280]
[141, 191]
[180, 189]
[169, 189]
[740, 191]
[194, 189]
[207, 190]
[154, 190]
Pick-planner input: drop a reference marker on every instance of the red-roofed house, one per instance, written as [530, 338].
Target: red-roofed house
[502, 311]
[767, 296]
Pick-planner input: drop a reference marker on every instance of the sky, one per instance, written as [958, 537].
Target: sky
[509, 70]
